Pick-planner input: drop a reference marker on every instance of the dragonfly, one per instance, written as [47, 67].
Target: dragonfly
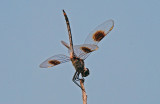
[78, 53]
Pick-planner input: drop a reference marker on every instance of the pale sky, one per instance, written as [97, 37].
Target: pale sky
[125, 69]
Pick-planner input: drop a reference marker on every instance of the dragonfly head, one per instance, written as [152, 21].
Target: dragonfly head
[85, 72]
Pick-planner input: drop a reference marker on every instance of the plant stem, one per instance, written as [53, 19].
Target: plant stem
[84, 96]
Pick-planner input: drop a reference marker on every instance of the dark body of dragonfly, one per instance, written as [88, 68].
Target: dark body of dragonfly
[78, 53]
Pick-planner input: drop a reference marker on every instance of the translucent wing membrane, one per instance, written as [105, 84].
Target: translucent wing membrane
[54, 60]
[82, 51]
[99, 32]
[90, 44]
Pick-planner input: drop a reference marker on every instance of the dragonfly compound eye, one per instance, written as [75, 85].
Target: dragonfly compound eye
[85, 73]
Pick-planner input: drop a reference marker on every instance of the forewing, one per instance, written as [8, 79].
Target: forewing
[97, 35]
[82, 51]
[99, 32]
[54, 60]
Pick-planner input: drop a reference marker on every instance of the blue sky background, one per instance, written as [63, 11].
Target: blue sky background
[125, 69]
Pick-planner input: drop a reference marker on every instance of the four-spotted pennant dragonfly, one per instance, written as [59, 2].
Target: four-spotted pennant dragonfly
[78, 53]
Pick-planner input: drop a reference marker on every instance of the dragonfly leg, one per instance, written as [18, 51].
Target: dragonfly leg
[82, 77]
[76, 78]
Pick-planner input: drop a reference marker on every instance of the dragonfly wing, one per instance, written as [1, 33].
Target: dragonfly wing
[65, 44]
[97, 35]
[54, 60]
[99, 32]
[82, 51]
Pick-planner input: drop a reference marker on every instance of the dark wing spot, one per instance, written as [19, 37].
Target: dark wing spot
[86, 49]
[54, 62]
[98, 35]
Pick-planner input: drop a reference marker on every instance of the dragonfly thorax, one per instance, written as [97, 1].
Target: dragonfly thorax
[78, 64]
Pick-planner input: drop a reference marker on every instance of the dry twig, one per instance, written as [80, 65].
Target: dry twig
[84, 96]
